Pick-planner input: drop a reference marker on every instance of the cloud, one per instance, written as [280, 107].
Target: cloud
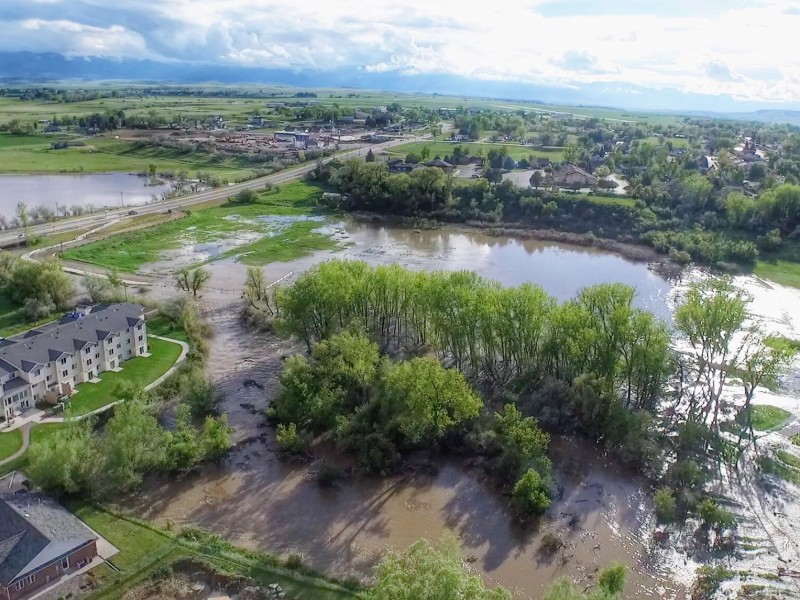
[719, 71]
[722, 47]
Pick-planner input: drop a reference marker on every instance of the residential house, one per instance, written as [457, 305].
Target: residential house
[398, 165]
[460, 137]
[40, 543]
[47, 363]
[570, 176]
[440, 164]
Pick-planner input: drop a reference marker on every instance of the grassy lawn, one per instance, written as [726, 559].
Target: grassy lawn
[143, 549]
[261, 239]
[161, 325]
[10, 442]
[139, 371]
[766, 417]
[776, 466]
[782, 267]
[790, 459]
[442, 149]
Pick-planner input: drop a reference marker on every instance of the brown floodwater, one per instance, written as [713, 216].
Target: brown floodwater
[257, 500]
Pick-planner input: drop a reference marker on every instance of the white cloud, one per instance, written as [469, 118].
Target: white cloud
[737, 49]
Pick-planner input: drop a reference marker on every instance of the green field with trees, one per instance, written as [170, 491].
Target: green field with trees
[427, 150]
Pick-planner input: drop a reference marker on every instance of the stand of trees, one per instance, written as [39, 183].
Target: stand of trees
[40, 288]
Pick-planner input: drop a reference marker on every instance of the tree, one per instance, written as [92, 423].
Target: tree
[426, 399]
[184, 449]
[521, 444]
[426, 573]
[530, 495]
[370, 158]
[64, 462]
[257, 293]
[132, 444]
[216, 437]
[96, 287]
[536, 179]
[22, 215]
[151, 170]
[665, 505]
[192, 280]
[116, 281]
[425, 153]
[38, 308]
[198, 393]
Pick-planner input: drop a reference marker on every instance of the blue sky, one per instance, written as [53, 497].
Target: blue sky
[738, 49]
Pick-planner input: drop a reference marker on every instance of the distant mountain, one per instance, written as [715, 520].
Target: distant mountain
[49, 67]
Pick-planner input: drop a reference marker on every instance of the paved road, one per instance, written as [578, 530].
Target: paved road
[286, 176]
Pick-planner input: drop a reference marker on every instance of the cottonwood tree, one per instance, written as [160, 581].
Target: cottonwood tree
[96, 287]
[424, 572]
[192, 280]
[257, 292]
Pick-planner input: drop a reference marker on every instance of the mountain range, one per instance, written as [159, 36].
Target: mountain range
[28, 67]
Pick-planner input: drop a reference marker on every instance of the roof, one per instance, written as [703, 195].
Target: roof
[35, 530]
[14, 384]
[73, 332]
[438, 163]
[572, 169]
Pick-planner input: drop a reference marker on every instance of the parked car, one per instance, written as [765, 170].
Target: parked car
[132, 212]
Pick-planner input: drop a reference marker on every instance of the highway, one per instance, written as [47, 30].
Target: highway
[92, 221]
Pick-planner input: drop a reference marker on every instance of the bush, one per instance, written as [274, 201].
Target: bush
[714, 515]
[294, 562]
[709, 578]
[290, 440]
[530, 496]
[665, 505]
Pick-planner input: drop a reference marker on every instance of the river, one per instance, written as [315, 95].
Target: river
[97, 190]
[257, 500]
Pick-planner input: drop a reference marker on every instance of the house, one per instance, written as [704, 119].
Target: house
[460, 137]
[707, 163]
[40, 542]
[398, 165]
[570, 175]
[47, 363]
[440, 164]
[750, 153]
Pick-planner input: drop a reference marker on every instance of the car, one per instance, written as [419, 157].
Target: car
[132, 212]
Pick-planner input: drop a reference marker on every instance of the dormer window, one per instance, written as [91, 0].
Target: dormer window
[64, 360]
[37, 372]
[88, 350]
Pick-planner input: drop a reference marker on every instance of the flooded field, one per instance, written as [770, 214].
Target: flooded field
[97, 190]
[561, 269]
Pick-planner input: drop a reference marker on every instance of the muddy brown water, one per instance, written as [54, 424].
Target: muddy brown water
[257, 500]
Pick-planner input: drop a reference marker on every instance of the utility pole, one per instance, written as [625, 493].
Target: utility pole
[122, 198]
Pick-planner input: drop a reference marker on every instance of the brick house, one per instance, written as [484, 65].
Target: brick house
[40, 543]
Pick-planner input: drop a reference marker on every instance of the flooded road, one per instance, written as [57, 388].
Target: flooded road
[259, 501]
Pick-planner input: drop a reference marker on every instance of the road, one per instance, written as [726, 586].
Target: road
[11, 237]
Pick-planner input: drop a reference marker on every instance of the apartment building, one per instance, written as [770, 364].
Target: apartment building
[47, 363]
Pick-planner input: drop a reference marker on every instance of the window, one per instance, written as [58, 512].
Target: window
[141, 349]
[97, 355]
[139, 328]
[129, 352]
[119, 346]
[48, 378]
[64, 360]
[88, 350]
[65, 562]
[141, 338]
[37, 372]
[65, 373]
[111, 351]
[88, 362]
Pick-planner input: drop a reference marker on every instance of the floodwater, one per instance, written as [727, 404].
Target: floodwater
[98, 190]
[257, 500]
[561, 269]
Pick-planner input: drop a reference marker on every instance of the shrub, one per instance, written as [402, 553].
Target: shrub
[714, 515]
[708, 581]
[530, 496]
[294, 562]
[290, 440]
[665, 504]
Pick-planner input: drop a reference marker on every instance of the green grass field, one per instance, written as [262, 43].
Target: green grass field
[143, 549]
[766, 417]
[442, 149]
[271, 241]
[10, 442]
[139, 371]
[32, 154]
[161, 325]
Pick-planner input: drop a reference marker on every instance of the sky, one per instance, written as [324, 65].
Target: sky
[744, 50]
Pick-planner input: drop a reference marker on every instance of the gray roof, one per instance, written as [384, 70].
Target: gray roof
[35, 530]
[14, 384]
[49, 343]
